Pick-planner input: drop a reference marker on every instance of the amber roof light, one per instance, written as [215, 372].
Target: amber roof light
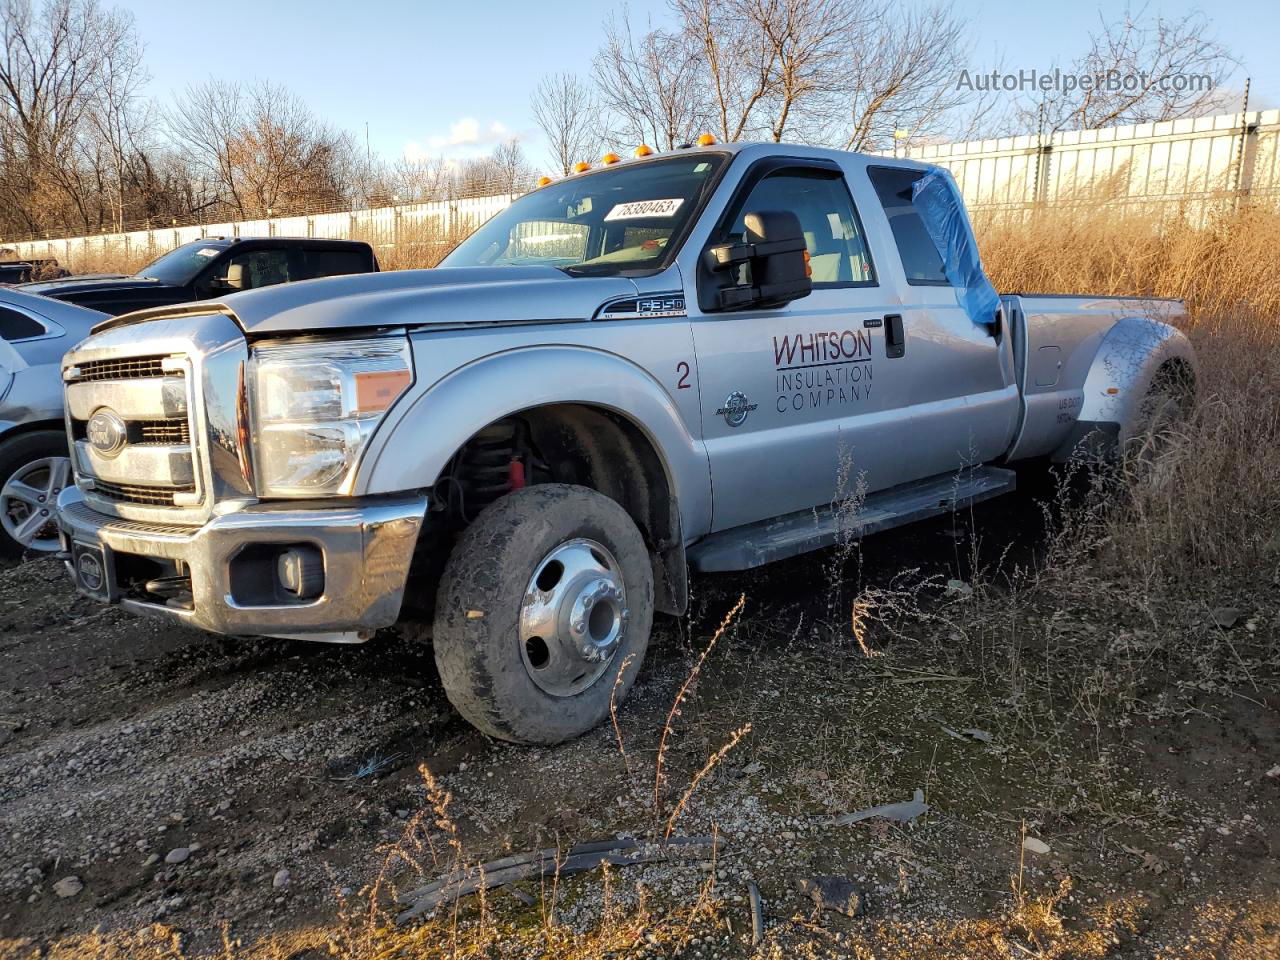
[643, 150]
[543, 181]
[706, 140]
[581, 166]
[609, 158]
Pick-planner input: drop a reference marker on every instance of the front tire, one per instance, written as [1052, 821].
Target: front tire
[545, 600]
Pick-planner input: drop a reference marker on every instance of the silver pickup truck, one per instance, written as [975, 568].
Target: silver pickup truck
[659, 365]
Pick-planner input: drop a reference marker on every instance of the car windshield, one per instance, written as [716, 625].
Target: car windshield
[179, 267]
[614, 221]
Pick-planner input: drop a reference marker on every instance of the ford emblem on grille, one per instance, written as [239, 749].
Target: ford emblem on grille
[107, 433]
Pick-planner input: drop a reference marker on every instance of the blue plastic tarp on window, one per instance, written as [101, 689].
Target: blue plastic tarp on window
[937, 199]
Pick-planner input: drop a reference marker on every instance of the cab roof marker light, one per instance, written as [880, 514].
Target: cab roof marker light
[609, 158]
[581, 166]
[543, 181]
[706, 140]
[643, 150]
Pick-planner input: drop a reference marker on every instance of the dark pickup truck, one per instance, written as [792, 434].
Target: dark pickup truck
[212, 267]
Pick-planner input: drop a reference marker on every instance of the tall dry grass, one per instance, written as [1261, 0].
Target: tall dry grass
[1175, 578]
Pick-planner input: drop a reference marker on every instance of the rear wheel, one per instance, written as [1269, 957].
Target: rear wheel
[1161, 419]
[34, 469]
[544, 609]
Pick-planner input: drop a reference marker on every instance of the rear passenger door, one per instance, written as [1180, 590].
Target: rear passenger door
[789, 393]
[956, 392]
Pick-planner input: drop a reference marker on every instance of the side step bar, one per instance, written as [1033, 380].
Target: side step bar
[755, 544]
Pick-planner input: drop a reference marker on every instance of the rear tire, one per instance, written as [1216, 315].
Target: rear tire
[1162, 416]
[546, 599]
[33, 470]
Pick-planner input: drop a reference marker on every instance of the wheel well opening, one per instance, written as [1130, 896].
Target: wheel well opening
[561, 443]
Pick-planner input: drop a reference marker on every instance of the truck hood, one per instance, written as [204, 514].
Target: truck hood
[94, 283]
[409, 298]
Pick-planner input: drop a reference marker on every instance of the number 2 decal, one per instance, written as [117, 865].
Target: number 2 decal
[682, 368]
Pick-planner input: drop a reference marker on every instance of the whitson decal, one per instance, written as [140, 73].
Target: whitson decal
[639, 209]
[824, 369]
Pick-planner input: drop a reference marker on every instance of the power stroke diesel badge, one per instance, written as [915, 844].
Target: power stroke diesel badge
[735, 409]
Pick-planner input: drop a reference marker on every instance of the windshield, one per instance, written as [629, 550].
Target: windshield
[609, 222]
[182, 265]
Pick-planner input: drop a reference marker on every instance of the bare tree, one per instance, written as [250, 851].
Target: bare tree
[419, 179]
[69, 74]
[1142, 69]
[650, 84]
[565, 110]
[844, 72]
[900, 74]
[510, 168]
[260, 147]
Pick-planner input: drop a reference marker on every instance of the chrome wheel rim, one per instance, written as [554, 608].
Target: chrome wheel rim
[573, 617]
[28, 503]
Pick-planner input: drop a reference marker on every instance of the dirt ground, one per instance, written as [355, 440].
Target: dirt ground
[211, 784]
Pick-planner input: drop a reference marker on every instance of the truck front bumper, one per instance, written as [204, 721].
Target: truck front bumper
[227, 575]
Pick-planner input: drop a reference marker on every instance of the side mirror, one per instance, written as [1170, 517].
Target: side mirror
[769, 268]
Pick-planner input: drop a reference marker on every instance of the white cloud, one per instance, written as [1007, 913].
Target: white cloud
[466, 137]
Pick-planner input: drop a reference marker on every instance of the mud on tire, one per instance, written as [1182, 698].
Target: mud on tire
[486, 668]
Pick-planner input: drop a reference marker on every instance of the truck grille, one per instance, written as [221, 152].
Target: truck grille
[140, 451]
[137, 493]
[129, 368]
[175, 431]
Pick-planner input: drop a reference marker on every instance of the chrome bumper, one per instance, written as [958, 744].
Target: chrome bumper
[366, 548]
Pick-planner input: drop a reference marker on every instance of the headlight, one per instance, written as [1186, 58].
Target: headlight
[315, 405]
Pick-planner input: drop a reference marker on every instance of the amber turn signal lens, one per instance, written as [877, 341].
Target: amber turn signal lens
[580, 166]
[643, 150]
[808, 267]
[706, 140]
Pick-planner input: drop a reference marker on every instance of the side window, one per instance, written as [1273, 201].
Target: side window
[920, 257]
[15, 325]
[331, 263]
[833, 233]
[261, 268]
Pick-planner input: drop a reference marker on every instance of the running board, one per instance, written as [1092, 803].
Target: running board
[754, 544]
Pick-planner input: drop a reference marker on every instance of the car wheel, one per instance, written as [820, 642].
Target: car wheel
[543, 614]
[34, 469]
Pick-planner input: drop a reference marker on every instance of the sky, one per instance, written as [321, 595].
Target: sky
[431, 78]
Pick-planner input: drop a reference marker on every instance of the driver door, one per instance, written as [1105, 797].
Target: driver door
[790, 397]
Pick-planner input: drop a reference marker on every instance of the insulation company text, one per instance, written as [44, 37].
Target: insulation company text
[823, 369]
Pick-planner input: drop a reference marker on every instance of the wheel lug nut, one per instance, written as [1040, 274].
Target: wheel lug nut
[41, 498]
[44, 513]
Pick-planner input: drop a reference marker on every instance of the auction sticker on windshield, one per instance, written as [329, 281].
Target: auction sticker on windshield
[645, 208]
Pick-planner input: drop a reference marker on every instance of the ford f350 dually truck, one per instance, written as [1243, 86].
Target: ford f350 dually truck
[657, 366]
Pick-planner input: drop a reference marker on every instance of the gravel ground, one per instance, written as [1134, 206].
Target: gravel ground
[150, 773]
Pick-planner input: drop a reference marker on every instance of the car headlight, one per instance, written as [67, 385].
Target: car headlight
[315, 406]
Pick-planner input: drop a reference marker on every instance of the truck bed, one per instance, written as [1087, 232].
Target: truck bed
[1056, 338]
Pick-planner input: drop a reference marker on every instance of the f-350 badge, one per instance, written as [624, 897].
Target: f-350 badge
[735, 409]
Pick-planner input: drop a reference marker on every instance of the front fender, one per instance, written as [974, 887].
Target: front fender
[409, 451]
[1130, 355]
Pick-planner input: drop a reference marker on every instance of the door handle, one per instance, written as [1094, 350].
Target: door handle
[895, 338]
